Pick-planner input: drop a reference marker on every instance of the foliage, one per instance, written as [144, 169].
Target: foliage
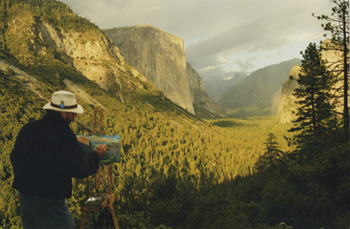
[55, 12]
[314, 97]
[161, 151]
[338, 25]
[15, 112]
[271, 156]
[176, 170]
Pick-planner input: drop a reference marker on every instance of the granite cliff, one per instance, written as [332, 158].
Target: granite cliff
[161, 58]
[286, 107]
[66, 54]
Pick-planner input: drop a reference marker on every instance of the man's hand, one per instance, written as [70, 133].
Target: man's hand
[101, 149]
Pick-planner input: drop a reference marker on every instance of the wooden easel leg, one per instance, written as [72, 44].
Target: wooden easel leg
[114, 217]
[83, 221]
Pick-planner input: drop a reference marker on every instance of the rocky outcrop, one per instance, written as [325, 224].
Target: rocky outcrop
[161, 58]
[286, 107]
[93, 54]
[60, 53]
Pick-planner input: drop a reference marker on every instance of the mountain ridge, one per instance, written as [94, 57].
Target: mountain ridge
[253, 95]
[216, 86]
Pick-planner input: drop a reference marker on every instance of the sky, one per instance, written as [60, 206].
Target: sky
[221, 36]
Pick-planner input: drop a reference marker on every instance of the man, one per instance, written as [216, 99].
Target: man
[45, 158]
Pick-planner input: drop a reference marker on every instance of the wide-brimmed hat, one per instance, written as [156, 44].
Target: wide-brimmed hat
[64, 101]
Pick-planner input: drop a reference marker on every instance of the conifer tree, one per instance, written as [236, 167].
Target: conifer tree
[272, 149]
[338, 25]
[271, 155]
[314, 111]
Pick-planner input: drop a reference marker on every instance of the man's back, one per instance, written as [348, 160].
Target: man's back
[46, 156]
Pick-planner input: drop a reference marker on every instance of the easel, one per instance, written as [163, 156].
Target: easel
[102, 199]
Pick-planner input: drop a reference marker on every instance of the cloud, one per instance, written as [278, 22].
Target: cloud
[251, 37]
[217, 33]
[244, 65]
[154, 9]
[208, 68]
[216, 72]
[272, 28]
[303, 37]
[222, 59]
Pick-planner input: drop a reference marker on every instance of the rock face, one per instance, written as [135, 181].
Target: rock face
[287, 106]
[82, 50]
[84, 54]
[161, 58]
[64, 53]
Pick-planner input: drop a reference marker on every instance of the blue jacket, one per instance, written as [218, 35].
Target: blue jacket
[46, 156]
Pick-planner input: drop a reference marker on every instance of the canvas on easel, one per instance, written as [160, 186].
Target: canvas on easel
[102, 198]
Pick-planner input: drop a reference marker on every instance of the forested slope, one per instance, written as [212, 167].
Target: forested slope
[160, 144]
[176, 170]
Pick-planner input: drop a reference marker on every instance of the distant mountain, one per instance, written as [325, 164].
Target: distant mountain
[259, 93]
[216, 86]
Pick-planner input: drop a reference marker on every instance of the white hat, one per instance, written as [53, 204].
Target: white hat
[64, 101]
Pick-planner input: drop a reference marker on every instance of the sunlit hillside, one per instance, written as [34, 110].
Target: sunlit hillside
[158, 140]
[176, 170]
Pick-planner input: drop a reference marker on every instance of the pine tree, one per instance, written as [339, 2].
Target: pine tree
[272, 153]
[338, 25]
[314, 98]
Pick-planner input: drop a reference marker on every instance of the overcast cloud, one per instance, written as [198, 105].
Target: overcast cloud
[222, 35]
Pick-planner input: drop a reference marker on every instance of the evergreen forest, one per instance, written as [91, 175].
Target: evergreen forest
[181, 171]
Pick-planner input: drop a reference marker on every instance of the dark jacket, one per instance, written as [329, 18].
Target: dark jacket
[46, 156]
